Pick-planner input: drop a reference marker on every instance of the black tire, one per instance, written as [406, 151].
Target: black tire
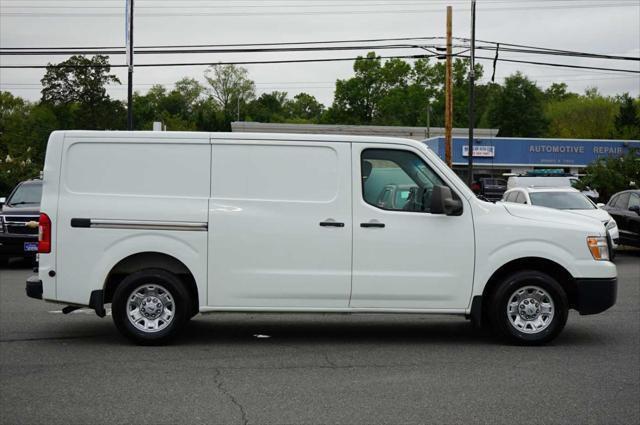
[177, 304]
[506, 292]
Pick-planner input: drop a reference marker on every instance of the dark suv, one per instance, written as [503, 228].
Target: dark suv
[490, 188]
[19, 221]
[624, 207]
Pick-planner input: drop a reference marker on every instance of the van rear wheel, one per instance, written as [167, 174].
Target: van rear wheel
[150, 306]
[529, 308]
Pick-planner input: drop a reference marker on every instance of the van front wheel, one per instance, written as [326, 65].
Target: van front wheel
[150, 306]
[529, 308]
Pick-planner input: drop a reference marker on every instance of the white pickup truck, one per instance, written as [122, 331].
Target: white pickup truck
[166, 225]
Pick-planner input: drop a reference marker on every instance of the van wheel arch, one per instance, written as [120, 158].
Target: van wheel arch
[151, 260]
[551, 268]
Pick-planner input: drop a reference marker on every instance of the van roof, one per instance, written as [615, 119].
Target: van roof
[192, 135]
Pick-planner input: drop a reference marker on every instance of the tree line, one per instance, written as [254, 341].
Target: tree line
[380, 92]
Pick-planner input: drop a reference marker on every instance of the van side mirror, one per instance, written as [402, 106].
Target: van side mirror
[635, 208]
[2, 201]
[600, 205]
[442, 202]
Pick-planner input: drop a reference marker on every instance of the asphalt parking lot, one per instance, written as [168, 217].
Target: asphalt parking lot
[299, 369]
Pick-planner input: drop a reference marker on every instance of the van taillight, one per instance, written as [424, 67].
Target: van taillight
[44, 234]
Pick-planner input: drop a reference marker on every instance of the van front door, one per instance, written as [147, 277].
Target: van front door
[280, 225]
[404, 257]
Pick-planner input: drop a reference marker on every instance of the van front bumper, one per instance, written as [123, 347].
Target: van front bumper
[596, 295]
[34, 287]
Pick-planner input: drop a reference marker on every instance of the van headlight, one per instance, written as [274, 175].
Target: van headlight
[598, 247]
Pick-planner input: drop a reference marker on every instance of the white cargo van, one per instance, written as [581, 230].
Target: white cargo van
[164, 226]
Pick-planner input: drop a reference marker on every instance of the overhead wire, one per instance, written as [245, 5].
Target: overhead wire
[284, 61]
[367, 11]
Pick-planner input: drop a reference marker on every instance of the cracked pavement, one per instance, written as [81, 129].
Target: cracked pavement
[316, 369]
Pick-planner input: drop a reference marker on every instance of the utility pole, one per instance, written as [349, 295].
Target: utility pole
[429, 119]
[472, 75]
[448, 95]
[129, 42]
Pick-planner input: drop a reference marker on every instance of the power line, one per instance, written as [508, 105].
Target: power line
[158, 51]
[561, 65]
[367, 11]
[269, 5]
[525, 46]
[219, 63]
[254, 48]
[202, 50]
[287, 43]
[325, 84]
[559, 53]
[285, 61]
[322, 1]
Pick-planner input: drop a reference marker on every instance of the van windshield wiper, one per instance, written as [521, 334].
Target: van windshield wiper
[21, 203]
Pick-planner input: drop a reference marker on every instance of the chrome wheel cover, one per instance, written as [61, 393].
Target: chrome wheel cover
[150, 308]
[530, 309]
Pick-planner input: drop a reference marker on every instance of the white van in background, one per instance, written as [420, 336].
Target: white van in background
[165, 225]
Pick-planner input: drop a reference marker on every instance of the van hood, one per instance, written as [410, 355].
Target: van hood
[551, 215]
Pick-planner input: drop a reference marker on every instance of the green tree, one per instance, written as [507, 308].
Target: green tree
[557, 92]
[356, 99]
[176, 108]
[612, 174]
[305, 107]
[76, 90]
[269, 107]
[518, 109]
[396, 93]
[24, 131]
[78, 79]
[591, 116]
[627, 122]
[230, 86]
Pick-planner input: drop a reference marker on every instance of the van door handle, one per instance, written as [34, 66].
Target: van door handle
[331, 224]
[372, 224]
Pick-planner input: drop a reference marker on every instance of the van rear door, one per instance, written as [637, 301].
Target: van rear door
[280, 224]
[135, 181]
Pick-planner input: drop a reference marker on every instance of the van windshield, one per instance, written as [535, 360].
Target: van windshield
[26, 194]
[561, 200]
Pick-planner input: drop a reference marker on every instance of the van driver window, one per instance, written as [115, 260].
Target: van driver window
[397, 180]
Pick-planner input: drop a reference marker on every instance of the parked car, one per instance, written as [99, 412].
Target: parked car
[548, 178]
[492, 189]
[164, 225]
[19, 221]
[567, 199]
[624, 207]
